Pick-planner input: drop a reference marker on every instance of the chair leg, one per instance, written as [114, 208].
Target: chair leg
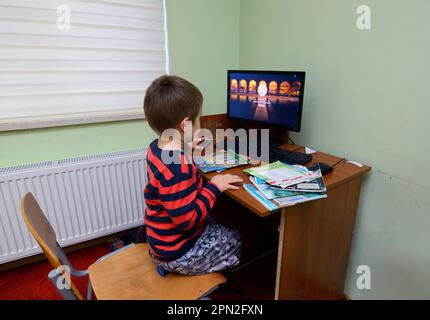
[66, 293]
[89, 290]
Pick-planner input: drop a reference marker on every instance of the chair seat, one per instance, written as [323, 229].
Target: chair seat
[132, 275]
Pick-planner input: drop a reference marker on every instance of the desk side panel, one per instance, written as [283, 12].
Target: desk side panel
[316, 244]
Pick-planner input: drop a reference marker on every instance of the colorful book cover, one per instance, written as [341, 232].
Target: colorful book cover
[281, 174]
[268, 192]
[315, 186]
[269, 205]
[221, 161]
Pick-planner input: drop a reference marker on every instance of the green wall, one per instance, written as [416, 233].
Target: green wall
[204, 44]
[366, 98]
[196, 30]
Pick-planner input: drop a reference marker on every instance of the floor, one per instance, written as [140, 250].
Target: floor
[30, 282]
[254, 280]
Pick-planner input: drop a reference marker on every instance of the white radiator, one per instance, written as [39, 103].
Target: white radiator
[84, 198]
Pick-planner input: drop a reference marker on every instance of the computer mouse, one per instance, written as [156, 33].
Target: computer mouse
[325, 168]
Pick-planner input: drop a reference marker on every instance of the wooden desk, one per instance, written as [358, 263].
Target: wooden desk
[314, 237]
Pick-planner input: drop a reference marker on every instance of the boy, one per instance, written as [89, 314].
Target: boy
[181, 236]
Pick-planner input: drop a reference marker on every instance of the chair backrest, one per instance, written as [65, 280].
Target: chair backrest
[44, 234]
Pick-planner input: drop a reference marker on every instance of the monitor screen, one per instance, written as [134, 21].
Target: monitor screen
[269, 97]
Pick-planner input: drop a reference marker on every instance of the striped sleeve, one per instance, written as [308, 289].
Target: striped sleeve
[186, 203]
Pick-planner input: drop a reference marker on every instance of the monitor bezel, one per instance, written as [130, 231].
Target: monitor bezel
[263, 123]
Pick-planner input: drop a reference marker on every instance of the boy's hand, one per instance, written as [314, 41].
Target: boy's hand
[226, 181]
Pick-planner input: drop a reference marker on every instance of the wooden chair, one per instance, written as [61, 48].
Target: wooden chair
[128, 273]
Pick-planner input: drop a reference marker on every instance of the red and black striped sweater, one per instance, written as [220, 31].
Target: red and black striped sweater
[177, 203]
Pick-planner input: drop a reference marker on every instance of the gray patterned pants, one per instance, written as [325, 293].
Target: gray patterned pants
[218, 248]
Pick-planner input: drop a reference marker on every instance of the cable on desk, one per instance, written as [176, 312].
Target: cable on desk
[291, 140]
[341, 160]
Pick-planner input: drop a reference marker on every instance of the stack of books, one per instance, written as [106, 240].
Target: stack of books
[279, 185]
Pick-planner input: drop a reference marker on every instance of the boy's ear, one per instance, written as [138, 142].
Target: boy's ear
[181, 125]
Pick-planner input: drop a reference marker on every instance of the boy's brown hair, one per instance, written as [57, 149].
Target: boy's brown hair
[170, 99]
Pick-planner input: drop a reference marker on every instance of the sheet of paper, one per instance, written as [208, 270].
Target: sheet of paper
[309, 150]
[355, 163]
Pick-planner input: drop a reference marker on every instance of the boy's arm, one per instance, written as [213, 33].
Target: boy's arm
[186, 204]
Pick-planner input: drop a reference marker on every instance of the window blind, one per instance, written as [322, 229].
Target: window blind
[59, 58]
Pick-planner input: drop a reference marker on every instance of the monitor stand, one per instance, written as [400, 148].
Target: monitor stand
[277, 136]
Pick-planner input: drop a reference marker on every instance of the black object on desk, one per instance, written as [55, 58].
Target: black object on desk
[289, 157]
[276, 153]
[325, 168]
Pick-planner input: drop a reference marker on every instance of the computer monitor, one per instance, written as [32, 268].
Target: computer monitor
[274, 98]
